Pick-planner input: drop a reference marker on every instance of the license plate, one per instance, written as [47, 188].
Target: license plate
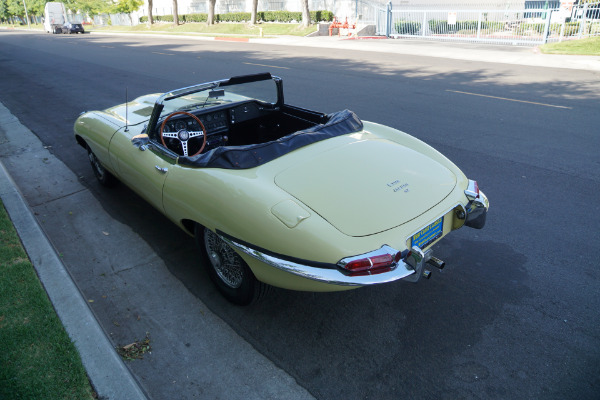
[429, 234]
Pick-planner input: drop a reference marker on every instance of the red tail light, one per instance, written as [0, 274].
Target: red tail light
[373, 262]
[368, 263]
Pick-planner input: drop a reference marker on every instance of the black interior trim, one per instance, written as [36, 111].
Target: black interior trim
[244, 154]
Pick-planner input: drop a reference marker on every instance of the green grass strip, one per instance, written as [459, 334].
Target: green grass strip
[37, 358]
[584, 47]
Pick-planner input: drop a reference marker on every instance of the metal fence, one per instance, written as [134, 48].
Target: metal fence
[527, 25]
[370, 13]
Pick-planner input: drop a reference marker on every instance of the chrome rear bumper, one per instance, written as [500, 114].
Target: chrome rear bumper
[409, 265]
[477, 207]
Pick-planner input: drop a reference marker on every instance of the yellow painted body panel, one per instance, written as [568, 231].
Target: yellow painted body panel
[140, 170]
[375, 181]
[248, 205]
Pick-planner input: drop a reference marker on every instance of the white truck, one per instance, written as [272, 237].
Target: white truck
[55, 16]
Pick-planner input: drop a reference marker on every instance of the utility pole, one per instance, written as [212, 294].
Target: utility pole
[26, 15]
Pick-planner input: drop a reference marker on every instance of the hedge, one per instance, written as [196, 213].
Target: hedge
[264, 16]
[407, 28]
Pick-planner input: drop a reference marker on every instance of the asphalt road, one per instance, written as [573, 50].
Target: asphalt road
[513, 315]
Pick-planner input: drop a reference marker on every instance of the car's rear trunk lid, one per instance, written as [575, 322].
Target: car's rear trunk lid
[368, 186]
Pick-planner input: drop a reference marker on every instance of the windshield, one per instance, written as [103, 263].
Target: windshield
[217, 93]
[263, 88]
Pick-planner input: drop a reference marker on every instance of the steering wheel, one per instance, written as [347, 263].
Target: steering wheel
[183, 135]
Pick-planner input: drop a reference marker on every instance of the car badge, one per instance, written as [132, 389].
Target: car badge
[184, 135]
[398, 186]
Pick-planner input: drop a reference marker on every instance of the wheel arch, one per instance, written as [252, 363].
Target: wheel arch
[189, 226]
[81, 141]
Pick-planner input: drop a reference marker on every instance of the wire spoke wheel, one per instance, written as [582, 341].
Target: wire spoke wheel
[228, 270]
[104, 177]
[228, 265]
[96, 166]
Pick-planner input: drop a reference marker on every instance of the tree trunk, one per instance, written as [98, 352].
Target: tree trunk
[175, 15]
[211, 12]
[150, 17]
[305, 14]
[254, 12]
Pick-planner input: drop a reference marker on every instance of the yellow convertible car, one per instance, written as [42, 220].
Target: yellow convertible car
[280, 195]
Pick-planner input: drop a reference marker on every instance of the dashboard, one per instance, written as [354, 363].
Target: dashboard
[213, 122]
[219, 122]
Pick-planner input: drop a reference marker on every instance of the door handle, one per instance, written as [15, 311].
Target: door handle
[163, 170]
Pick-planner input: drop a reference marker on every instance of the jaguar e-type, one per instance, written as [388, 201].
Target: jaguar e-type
[281, 195]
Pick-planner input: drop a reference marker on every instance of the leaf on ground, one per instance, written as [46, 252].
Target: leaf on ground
[135, 350]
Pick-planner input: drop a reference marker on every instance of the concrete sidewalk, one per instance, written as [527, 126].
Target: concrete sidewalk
[503, 54]
[518, 55]
[102, 255]
[109, 375]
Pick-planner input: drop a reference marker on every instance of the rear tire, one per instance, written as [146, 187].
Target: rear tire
[228, 271]
[104, 177]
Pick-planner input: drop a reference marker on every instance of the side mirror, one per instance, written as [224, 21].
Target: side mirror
[141, 141]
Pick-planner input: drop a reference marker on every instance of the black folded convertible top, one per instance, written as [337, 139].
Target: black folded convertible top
[253, 155]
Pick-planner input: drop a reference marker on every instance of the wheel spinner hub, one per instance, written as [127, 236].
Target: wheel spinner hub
[226, 262]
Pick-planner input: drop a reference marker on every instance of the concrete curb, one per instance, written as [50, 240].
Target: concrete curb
[109, 375]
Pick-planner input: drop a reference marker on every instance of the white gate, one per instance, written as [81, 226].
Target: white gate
[535, 23]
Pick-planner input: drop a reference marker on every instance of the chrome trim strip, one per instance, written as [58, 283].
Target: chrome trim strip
[476, 197]
[329, 276]
[472, 190]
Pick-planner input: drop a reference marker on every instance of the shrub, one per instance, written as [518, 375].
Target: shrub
[195, 17]
[407, 27]
[281, 16]
[442, 26]
[234, 17]
[265, 16]
[321, 16]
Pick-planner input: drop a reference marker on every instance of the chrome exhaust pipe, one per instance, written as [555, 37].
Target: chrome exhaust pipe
[436, 262]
